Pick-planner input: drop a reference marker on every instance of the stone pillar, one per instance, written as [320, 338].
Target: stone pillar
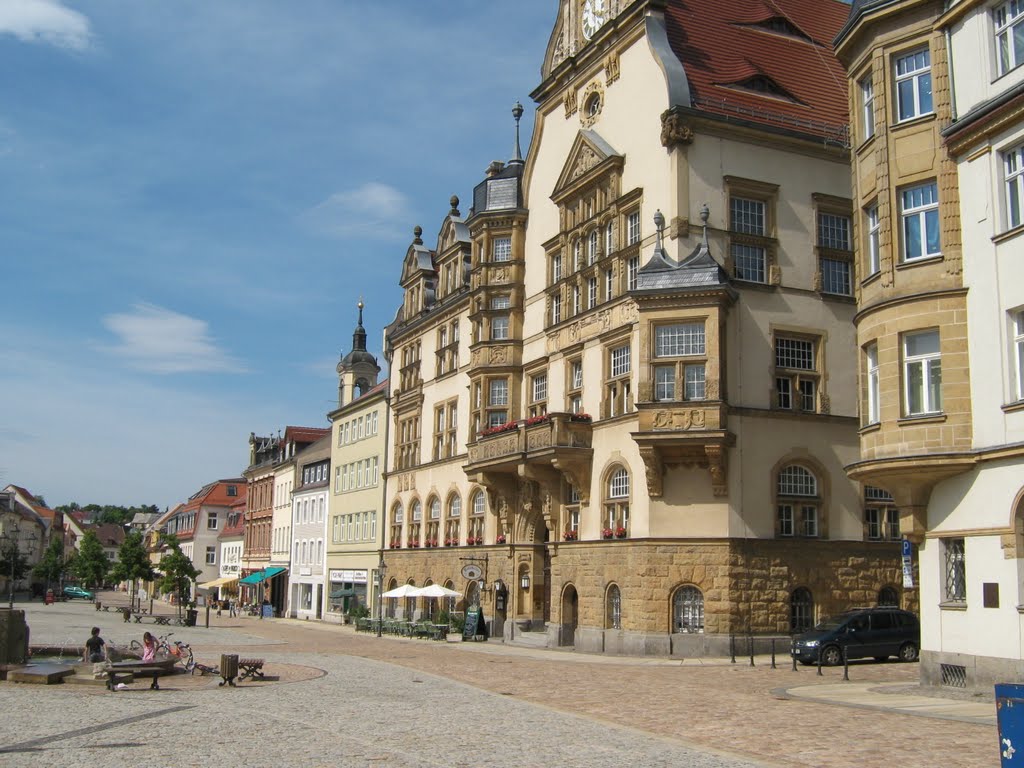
[13, 636]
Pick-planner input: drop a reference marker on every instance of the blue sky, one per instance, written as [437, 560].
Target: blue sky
[193, 197]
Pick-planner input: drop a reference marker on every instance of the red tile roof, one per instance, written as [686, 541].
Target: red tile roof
[305, 434]
[216, 493]
[374, 390]
[740, 65]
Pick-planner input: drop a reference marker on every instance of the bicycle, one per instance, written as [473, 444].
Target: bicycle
[180, 651]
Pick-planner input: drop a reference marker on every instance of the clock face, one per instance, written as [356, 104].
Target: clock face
[594, 16]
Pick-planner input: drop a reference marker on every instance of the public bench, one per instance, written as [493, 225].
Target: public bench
[117, 675]
[158, 619]
[251, 668]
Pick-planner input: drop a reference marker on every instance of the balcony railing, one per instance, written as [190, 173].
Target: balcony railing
[525, 438]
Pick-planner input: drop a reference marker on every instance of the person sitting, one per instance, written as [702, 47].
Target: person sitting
[148, 647]
[95, 648]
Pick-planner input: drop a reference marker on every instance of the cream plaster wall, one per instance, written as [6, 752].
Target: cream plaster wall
[983, 498]
[976, 75]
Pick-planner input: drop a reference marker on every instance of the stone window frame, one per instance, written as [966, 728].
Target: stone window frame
[617, 392]
[414, 528]
[432, 524]
[475, 527]
[613, 606]
[615, 509]
[954, 559]
[795, 377]
[408, 439]
[574, 389]
[922, 214]
[1012, 174]
[572, 511]
[799, 504]
[866, 99]
[453, 520]
[841, 210]
[537, 406]
[556, 268]
[397, 521]
[872, 385]
[445, 428]
[502, 254]
[686, 603]
[872, 239]
[1016, 318]
[680, 364]
[766, 194]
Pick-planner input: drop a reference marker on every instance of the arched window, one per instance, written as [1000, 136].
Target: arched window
[397, 516]
[613, 608]
[435, 508]
[415, 523]
[410, 603]
[453, 528]
[616, 505]
[475, 534]
[688, 610]
[801, 610]
[888, 596]
[391, 602]
[473, 593]
[592, 247]
[608, 239]
[479, 503]
[797, 498]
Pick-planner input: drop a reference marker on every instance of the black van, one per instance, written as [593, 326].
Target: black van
[864, 632]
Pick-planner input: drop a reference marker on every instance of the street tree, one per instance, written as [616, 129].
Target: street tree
[133, 563]
[13, 564]
[178, 570]
[52, 566]
[92, 563]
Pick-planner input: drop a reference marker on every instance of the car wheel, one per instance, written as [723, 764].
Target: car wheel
[831, 656]
[908, 652]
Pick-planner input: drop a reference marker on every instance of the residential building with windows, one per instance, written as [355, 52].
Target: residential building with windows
[354, 531]
[231, 541]
[651, 454]
[940, 294]
[308, 531]
[197, 525]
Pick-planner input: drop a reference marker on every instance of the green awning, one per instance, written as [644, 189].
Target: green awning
[258, 576]
[340, 593]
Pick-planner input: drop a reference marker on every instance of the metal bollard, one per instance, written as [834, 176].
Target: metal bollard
[732, 649]
[846, 666]
[750, 648]
[773, 653]
[819, 661]
[794, 662]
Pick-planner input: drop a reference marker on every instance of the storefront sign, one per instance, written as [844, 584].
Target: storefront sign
[349, 577]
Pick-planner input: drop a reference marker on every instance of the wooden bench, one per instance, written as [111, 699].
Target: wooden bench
[157, 619]
[128, 674]
[251, 668]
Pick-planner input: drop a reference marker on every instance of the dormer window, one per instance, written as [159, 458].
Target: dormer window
[764, 85]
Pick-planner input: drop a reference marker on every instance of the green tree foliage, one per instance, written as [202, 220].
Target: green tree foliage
[11, 556]
[92, 564]
[52, 565]
[178, 570]
[133, 562]
[108, 513]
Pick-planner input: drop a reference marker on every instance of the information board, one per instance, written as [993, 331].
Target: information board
[475, 624]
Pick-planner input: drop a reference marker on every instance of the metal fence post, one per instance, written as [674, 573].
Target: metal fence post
[773, 653]
[846, 665]
[750, 648]
[732, 648]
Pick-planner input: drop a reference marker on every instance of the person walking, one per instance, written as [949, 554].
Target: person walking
[232, 608]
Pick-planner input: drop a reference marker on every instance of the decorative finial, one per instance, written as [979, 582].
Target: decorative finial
[517, 112]
[659, 226]
[455, 205]
[704, 214]
[417, 231]
[360, 305]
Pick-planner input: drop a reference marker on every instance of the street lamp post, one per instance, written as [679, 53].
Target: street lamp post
[381, 568]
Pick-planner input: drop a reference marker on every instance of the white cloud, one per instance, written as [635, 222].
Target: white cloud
[374, 210]
[45, 21]
[159, 340]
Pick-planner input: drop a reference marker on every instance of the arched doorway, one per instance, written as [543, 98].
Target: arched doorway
[570, 616]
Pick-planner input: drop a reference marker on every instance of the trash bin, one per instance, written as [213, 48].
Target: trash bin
[191, 615]
[1010, 715]
[229, 666]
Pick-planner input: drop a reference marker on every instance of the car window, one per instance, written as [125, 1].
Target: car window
[881, 621]
[859, 622]
[832, 622]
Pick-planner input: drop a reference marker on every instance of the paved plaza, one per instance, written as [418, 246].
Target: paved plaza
[347, 699]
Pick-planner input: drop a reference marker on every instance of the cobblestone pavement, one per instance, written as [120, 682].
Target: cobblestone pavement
[458, 704]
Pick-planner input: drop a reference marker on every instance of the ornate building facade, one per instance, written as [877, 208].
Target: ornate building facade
[937, 96]
[626, 388]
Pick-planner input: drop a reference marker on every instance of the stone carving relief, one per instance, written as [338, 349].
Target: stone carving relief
[593, 102]
[674, 130]
[538, 438]
[682, 419]
[499, 355]
[654, 471]
[570, 103]
[586, 160]
[774, 275]
[629, 312]
[716, 466]
[826, 403]
[499, 275]
[711, 389]
[611, 67]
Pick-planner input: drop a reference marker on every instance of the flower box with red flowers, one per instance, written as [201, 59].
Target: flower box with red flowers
[500, 539]
[571, 535]
[580, 417]
[395, 545]
[607, 533]
[470, 540]
[621, 533]
[449, 542]
[414, 545]
[506, 427]
[537, 419]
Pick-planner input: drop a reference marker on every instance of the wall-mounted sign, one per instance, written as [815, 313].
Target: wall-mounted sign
[472, 571]
[352, 577]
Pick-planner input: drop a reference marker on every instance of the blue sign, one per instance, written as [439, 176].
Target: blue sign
[908, 548]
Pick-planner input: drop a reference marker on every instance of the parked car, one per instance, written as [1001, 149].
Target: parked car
[71, 592]
[865, 633]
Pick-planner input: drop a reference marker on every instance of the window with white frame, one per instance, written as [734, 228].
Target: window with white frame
[616, 505]
[956, 570]
[556, 267]
[211, 555]
[475, 533]
[1008, 19]
[608, 233]
[572, 514]
[748, 217]
[797, 502]
[592, 246]
[574, 386]
[836, 255]
[867, 107]
[556, 309]
[502, 249]
[617, 385]
[609, 284]
[881, 518]
[873, 227]
[211, 521]
[1018, 352]
[499, 328]
[922, 373]
[688, 610]
[591, 292]
[538, 394]
[684, 342]
[919, 210]
[633, 228]
[577, 299]
[1013, 175]
[913, 85]
[796, 373]
[871, 381]
[632, 269]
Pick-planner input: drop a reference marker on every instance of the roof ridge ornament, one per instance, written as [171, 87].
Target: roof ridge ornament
[517, 113]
